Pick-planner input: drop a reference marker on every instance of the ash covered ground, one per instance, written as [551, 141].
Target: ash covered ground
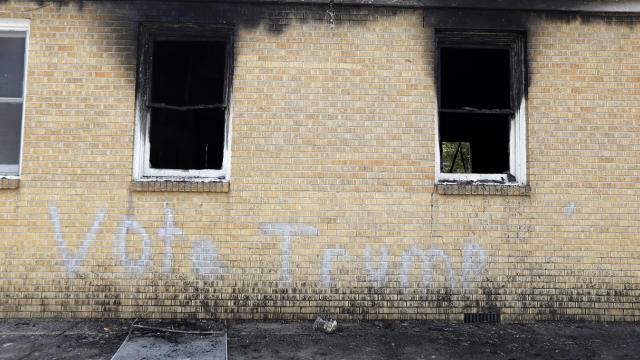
[95, 339]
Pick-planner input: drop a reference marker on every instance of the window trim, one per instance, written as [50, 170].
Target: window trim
[17, 28]
[515, 42]
[142, 170]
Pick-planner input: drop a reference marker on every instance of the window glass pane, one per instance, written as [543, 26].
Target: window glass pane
[475, 78]
[188, 72]
[11, 66]
[487, 136]
[10, 132]
[192, 139]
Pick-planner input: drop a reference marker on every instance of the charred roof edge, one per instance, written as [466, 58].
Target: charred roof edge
[611, 6]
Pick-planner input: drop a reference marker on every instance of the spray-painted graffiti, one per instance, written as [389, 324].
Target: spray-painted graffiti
[205, 259]
[286, 231]
[330, 256]
[569, 209]
[427, 259]
[167, 233]
[474, 259]
[378, 274]
[203, 256]
[71, 262]
[133, 265]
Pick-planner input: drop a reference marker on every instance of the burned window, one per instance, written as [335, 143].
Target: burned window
[480, 106]
[13, 45]
[183, 101]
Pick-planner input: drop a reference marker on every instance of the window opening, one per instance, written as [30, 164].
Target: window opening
[480, 82]
[12, 70]
[184, 86]
[187, 111]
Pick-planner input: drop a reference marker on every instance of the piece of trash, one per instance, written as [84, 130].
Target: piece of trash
[106, 329]
[7, 345]
[328, 326]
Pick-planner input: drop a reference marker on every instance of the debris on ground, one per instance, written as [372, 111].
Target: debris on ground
[370, 340]
[326, 325]
[174, 340]
[382, 340]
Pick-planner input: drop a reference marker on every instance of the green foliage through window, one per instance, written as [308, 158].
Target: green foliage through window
[456, 157]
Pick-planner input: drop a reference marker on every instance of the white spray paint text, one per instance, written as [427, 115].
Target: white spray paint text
[205, 258]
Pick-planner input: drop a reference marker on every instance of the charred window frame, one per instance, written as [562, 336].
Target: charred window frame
[14, 35]
[183, 101]
[481, 126]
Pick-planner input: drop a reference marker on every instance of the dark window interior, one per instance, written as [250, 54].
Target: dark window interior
[488, 138]
[192, 139]
[11, 66]
[10, 132]
[475, 78]
[187, 101]
[475, 110]
[12, 53]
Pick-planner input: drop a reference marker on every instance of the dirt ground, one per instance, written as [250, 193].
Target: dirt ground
[37, 339]
[410, 340]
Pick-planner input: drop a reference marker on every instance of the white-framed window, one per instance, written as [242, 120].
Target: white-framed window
[480, 120]
[14, 35]
[183, 102]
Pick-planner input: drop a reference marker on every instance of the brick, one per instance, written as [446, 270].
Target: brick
[334, 205]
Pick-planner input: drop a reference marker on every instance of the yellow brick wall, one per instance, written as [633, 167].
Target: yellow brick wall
[331, 204]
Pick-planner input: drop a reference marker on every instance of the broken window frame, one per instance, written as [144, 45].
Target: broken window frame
[150, 32]
[16, 28]
[515, 43]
